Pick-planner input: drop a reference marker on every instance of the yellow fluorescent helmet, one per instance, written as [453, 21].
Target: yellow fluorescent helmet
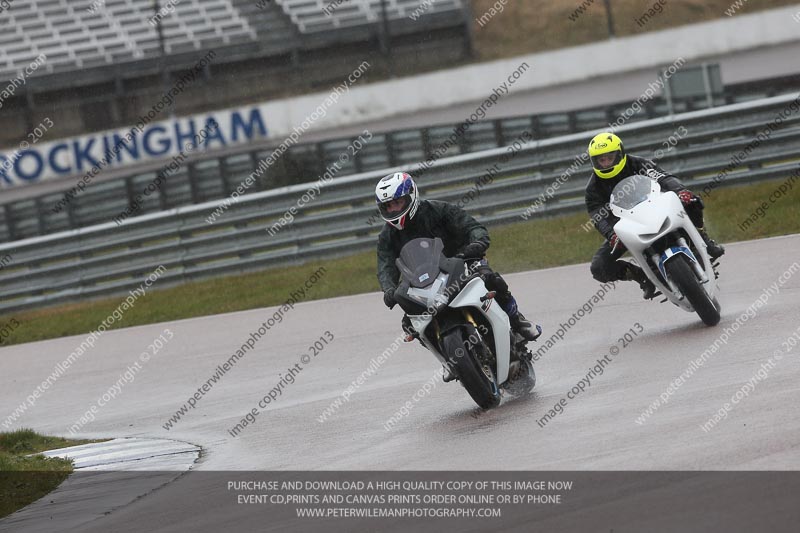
[601, 147]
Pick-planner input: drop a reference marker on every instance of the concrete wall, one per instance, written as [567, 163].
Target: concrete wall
[748, 47]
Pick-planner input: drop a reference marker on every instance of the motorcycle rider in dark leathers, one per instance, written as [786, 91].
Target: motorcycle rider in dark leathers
[611, 165]
[408, 218]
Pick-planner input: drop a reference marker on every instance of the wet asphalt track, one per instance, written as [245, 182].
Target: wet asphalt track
[443, 431]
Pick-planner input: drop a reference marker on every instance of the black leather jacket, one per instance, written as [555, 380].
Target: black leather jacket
[433, 219]
[598, 190]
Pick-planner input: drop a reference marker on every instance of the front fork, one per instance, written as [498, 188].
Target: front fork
[696, 266]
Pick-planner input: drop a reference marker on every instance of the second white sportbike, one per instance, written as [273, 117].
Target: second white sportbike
[658, 233]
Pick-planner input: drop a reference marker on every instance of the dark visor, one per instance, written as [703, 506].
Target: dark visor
[395, 208]
[617, 157]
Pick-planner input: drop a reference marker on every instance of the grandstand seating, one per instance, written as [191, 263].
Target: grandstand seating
[79, 35]
[310, 15]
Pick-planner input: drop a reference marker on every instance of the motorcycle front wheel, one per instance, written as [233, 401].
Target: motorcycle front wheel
[681, 273]
[480, 386]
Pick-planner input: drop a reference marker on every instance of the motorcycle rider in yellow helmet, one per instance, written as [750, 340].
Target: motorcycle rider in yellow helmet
[611, 165]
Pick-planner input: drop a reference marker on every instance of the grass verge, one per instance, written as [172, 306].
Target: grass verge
[515, 247]
[25, 478]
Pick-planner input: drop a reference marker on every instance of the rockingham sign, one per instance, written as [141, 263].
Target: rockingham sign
[154, 141]
[148, 140]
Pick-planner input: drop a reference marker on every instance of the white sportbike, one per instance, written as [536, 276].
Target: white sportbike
[658, 233]
[458, 320]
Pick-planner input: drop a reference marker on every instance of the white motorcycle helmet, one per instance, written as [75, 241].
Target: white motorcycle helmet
[397, 198]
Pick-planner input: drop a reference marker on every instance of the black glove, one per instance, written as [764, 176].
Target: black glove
[388, 298]
[474, 250]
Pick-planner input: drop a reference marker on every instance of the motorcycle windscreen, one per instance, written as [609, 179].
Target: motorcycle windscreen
[631, 191]
[419, 261]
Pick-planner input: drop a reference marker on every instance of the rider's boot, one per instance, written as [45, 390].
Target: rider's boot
[634, 273]
[715, 250]
[519, 324]
[408, 329]
[526, 329]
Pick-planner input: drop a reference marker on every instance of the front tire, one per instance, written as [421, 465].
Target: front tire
[682, 274]
[468, 370]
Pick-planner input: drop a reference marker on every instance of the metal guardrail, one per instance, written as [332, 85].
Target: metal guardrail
[108, 259]
[208, 177]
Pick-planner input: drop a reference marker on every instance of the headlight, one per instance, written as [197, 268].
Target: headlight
[433, 295]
